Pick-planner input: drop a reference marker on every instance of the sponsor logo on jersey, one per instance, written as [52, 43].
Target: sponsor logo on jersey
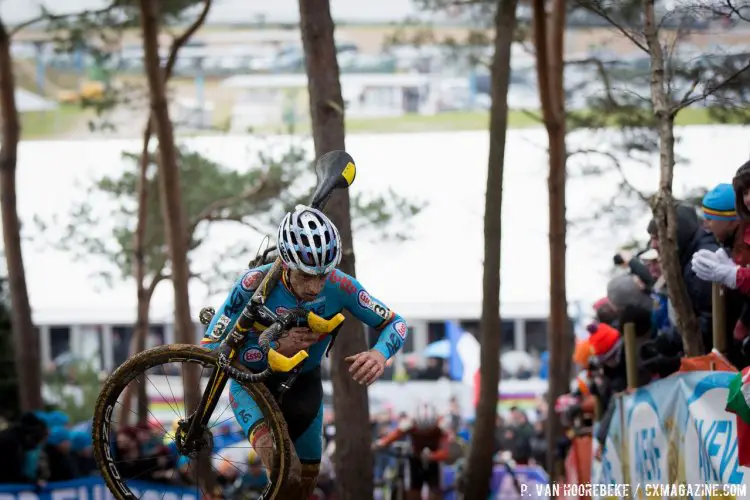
[251, 280]
[220, 327]
[253, 355]
[343, 282]
[281, 310]
[401, 329]
[367, 302]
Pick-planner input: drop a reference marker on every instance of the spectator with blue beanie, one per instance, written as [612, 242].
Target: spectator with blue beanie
[82, 449]
[722, 220]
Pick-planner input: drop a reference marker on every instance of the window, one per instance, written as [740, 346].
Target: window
[536, 336]
[59, 340]
[121, 336]
[508, 333]
[435, 331]
[471, 326]
[409, 342]
[507, 330]
[156, 336]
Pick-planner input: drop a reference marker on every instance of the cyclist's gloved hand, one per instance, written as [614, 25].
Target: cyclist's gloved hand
[366, 367]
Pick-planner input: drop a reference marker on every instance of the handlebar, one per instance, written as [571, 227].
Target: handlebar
[277, 362]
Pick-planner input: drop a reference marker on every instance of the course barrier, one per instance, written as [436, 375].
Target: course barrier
[673, 439]
[532, 480]
[93, 488]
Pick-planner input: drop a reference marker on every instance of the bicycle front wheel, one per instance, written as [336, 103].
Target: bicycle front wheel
[159, 374]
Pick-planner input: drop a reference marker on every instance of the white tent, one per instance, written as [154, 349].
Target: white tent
[438, 273]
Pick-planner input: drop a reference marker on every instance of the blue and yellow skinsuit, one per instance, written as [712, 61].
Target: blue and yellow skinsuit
[302, 405]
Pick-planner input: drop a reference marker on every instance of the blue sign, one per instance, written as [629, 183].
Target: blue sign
[93, 488]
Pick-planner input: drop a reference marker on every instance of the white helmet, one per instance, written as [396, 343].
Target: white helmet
[308, 241]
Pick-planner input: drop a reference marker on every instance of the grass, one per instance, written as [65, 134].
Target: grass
[479, 120]
[68, 118]
[48, 124]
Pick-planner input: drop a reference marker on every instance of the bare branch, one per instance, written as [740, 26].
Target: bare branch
[689, 93]
[158, 278]
[618, 168]
[735, 11]
[46, 16]
[532, 115]
[596, 9]
[603, 74]
[180, 41]
[709, 92]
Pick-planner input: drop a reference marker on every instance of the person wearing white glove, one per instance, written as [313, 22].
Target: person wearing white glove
[716, 267]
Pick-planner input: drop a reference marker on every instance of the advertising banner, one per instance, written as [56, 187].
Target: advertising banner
[673, 439]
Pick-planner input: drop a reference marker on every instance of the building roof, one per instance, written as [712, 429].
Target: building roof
[438, 273]
[358, 80]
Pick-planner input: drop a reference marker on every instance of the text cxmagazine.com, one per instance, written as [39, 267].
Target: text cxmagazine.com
[630, 491]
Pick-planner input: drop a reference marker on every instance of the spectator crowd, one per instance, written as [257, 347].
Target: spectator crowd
[713, 246]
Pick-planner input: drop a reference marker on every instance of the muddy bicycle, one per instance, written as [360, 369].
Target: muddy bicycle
[193, 432]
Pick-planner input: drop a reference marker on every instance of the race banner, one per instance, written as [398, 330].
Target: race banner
[673, 439]
[93, 488]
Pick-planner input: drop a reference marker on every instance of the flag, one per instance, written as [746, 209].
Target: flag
[738, 402]
[453, 334]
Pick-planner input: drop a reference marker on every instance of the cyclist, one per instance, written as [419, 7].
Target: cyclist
[310, 249]
[430, 443]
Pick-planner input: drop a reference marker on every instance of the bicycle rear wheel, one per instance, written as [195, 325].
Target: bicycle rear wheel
[120, 468]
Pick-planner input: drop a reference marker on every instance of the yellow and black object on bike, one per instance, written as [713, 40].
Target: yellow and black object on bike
[336, 170]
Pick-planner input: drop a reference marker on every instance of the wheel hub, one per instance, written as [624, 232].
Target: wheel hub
[192, 447]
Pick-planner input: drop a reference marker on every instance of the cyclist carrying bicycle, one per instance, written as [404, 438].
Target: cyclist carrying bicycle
[430, 443]
[310, 249]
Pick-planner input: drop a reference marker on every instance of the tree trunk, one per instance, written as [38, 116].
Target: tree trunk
[144, 293]
[169, 184]
[549, 38]
[173, 213]
[663, 206]
[138, 344]
[26, 338]
[139, 261]
[479, 471]
[353, 460]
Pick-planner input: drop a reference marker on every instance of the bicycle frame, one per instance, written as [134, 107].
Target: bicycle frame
[230, 346]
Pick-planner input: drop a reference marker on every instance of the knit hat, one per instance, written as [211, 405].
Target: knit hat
[624, 290]
[58, 435]
[718, 204]
[80, 440]
[604, 341]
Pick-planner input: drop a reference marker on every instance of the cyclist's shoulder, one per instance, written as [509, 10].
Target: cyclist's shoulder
[341, 283]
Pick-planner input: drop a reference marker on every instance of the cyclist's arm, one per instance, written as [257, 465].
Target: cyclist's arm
[372, 312]
[227, 315]
[442, 453]
[391, 437]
